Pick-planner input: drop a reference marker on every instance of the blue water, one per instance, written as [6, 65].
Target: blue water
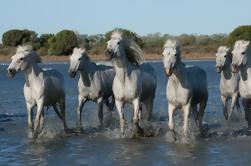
[221, 146]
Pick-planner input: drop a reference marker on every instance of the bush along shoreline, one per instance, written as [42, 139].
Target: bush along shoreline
[56, 47]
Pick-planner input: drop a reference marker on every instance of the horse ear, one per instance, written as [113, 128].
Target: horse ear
[247, 43]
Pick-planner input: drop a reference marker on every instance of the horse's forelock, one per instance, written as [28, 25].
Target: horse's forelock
[172, 44]
[116, 35]
[223, 49]
[242, 44]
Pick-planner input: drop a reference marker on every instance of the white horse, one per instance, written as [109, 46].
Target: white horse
[229, 81]
[95, 83]
[242, 61]
[42, 88]
[134, 81]
[186, 87]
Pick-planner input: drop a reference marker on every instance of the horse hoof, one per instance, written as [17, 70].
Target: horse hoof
[174, 135]
[248, 133]
[226, 115]
[79, 130]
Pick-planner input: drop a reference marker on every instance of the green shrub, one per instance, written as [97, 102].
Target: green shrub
[239, 33]
[63, 43]
[17, 37]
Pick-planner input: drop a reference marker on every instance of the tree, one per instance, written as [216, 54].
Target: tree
[44, 40]
[17, 37]
[126, 33]
[239, 33]
[63, 43]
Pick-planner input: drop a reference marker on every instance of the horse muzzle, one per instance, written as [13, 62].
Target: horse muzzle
[72, 74]
[11, 73]
[168, 71]
[234, 68]
[218, 69]
[109, 54]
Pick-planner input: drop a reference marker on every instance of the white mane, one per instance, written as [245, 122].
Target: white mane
[133, 51]
[80, 51]
[172, 44]
[242, 44]
[26, 51]
[77, 50]
[223, 49]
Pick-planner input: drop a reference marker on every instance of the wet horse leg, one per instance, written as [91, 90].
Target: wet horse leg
[225, 112]
[119, 106]
[81, 103]
[171, 109]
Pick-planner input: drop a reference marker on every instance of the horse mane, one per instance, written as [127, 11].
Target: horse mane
[133, 52]
[242, 44]
[27, 50]
[81, 51]
[227, 50]
[171, 43]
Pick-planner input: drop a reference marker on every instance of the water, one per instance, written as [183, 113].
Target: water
[224, 143]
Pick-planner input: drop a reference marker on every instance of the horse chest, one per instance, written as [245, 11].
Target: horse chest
[89, 92]
[126, 90]
[176, 94]
[228, 87]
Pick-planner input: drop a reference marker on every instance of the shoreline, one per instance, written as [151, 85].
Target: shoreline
[148, 57]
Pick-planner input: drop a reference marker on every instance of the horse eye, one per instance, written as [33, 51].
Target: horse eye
[243, 53]
[118, 42]
[225, 56]
[21, 59]
[175, 54]
[79, 59]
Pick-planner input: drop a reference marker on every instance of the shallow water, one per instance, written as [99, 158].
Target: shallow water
[223, 144]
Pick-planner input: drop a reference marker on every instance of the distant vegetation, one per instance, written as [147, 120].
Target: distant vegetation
[63, 42]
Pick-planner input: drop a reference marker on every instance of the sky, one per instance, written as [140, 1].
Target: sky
[141, 16]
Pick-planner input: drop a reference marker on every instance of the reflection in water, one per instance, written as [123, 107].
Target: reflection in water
[223, 144]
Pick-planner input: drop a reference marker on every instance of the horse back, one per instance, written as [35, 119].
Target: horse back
[198, 80]
[54, 81]
[149, 80]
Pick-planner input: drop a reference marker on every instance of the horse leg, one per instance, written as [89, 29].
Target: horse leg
[225, 112]
[238, 107]
[202, 108]
[119, 106]
[30, 118]
[195, 114]
[140, 111]
[110, 104]
[171, 109]
[100, 111]
[136, 104]
[81, 103]
[246, 106]
[41, 123]
[233, 104]
[40, 107]
[62, 114]
[186, 110]
[149, 108]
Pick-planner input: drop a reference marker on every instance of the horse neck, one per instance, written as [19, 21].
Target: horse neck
[226, 71]
[87, 71]
[122, 67]
[244, 68]
[32, 73]
[179, 72]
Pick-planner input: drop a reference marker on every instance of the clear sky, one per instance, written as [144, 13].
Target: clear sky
[142, 16]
